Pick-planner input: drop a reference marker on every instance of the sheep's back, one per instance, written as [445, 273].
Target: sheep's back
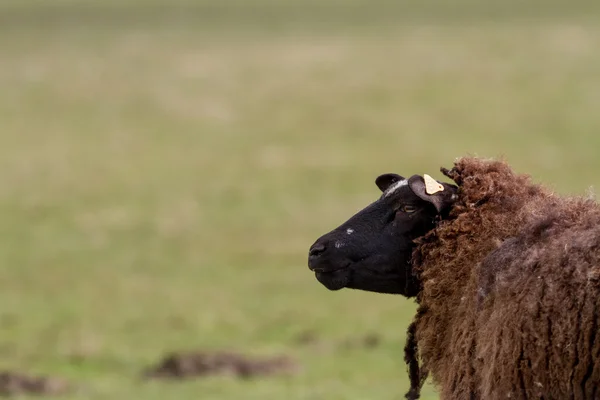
[537, 303]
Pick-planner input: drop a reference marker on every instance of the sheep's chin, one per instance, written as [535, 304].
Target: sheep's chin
[333, 280]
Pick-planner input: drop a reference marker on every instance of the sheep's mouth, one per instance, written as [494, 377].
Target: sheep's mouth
[323, 270]
[333, 279]
[327, 267]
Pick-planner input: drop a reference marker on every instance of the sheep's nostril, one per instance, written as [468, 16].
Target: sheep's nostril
[316, 249]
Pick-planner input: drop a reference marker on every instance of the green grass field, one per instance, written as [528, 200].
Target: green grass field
[163, 171]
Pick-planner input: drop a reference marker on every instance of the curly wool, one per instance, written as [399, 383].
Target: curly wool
[510, 288]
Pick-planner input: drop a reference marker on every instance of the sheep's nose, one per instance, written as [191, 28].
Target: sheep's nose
[317, 249]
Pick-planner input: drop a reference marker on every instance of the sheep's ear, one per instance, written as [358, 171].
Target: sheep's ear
[384, 181]
[440, 194]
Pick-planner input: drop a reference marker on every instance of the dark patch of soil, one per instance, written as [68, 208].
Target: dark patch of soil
[369, 341]
[196, 364]
[13, 383]
[309, 338]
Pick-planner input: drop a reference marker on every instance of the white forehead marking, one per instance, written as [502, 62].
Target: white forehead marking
[349, 231]
[339, 244]
[395, 187]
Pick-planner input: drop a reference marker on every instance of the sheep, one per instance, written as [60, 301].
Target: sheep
[505, 274]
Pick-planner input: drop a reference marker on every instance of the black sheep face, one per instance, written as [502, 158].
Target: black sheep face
[372, 250]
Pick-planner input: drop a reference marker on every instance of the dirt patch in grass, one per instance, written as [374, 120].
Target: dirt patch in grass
[311, 339]
[18, 384]
[368, 341]
[184, 365]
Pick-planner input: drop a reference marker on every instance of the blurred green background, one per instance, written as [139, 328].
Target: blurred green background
[165, 165]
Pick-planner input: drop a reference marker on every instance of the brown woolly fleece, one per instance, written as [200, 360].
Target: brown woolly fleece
[510, 300]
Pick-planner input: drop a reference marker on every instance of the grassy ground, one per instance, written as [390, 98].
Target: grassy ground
[163, 173]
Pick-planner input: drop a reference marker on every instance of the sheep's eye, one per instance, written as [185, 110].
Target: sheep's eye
[408, 209]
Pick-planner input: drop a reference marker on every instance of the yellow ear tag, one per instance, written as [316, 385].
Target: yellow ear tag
[431, 185]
